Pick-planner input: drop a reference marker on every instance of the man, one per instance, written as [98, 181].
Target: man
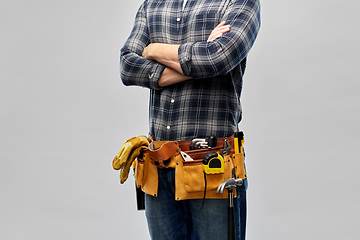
[192, 56]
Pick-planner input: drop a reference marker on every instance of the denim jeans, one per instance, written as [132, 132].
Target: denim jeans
[178, 220]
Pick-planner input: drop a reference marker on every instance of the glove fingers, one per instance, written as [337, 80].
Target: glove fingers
[124, 172]
[127, 148]
[125, 151]
[116, 162]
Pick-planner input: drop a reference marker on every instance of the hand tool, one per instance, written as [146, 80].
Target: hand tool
[230, 184]
[236, 142]
[213, 163]
[140, 195]
[226, 149]
[140, 198]
[239, 142]
[198, 143]
[212, 140]
[186, 156]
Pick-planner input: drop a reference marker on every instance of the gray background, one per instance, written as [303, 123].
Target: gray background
[65, 114]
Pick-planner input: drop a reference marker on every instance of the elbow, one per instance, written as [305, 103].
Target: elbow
[124, 76]
[218, 66]
[222, 59]
[125, 68]
[124, 80]
[219, 61]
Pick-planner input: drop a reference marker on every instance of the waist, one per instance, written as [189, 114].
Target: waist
[184, 145]
[162, 151]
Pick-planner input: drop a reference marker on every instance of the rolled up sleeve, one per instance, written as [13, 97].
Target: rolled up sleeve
[134, 69]
[218, 57]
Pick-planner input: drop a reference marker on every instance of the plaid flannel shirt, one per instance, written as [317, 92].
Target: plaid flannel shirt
[208, 104]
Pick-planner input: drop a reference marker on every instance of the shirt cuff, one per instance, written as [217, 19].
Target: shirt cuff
[155, 75]
[185, 54]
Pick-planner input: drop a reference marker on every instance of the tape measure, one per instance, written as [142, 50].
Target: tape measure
[213, 163]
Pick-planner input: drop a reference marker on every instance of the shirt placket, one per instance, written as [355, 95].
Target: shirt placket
[172, 99]
[179, 19]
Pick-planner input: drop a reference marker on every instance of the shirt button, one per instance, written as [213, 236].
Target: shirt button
[172, 100]
[178, 19]
[168, 127]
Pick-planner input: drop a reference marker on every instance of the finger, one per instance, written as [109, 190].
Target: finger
[222, 29]
[214, 36]
[220, 24]
[219, 32]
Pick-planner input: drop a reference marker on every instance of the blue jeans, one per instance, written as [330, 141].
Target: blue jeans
[185, 220]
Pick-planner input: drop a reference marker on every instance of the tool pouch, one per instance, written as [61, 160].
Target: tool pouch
[238, 159]
[193, 180]
[155, 156]
[146, 176]
[190, 181]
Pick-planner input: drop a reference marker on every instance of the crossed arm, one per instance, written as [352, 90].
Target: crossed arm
[157, 65]
[167, 54]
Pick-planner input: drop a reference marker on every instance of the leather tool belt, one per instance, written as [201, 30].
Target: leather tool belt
[189, 175]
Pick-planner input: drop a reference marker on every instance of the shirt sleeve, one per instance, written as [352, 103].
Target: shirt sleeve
[218, 57]
[134, 69]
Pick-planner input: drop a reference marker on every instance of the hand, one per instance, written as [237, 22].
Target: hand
[218, 31]
[148, 50]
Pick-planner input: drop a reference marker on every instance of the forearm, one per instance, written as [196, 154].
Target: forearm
[166, 54]
[170, 77]
[135, 70]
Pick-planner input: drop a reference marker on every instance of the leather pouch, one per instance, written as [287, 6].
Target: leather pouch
[146, 176]
[194, 180]
[238, 159]
[139, 172]
[190, 182]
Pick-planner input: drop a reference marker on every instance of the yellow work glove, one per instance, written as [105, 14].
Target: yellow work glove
[127, 154]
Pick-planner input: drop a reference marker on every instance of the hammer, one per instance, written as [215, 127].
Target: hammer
[230, 184]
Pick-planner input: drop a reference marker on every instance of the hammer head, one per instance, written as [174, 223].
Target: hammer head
[230, 183]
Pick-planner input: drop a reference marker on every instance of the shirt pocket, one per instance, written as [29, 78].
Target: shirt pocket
[202, 24]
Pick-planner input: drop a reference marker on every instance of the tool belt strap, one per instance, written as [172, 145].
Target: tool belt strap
[160, 155]
[160, 152]
[185, 144]
[199, 154]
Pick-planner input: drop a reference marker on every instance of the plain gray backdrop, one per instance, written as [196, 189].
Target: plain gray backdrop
[65, 114]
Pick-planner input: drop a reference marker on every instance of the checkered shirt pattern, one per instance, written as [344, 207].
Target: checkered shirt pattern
[209, 104]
